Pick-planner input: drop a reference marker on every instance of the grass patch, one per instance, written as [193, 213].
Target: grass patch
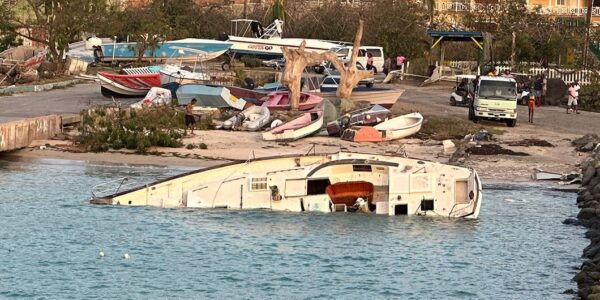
[443, 128]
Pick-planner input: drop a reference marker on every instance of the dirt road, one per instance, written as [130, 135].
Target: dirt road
[60, 101]
[435, 101]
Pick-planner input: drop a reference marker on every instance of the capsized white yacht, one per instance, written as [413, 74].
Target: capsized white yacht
[249, 37]
[327, 183]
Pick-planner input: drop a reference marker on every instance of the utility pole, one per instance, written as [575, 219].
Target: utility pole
[588, 25]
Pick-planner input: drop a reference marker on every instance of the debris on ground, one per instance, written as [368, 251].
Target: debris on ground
[530, 143]
[449, 146]
[493, 149]
[586, 143]
[481, 136]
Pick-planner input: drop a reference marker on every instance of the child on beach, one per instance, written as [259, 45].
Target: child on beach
[531, 105]
[190, 120]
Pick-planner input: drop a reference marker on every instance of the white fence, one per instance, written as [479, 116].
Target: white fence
[567, 75]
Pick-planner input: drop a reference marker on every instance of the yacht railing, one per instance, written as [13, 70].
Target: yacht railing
[112, 187]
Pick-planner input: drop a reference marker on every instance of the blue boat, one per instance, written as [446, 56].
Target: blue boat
[191, 50]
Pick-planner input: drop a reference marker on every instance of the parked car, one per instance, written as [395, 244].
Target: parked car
[378, 60]
[330, 70]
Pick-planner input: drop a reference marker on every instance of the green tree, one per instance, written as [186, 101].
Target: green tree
[60, 21]
[8, 36]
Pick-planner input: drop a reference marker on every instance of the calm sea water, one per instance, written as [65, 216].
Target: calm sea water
[50, 238]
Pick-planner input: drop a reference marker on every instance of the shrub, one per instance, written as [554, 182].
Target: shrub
[104, 129]
[251, 61]
[589, 97]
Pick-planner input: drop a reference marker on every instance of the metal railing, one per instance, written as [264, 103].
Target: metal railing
[112, 187]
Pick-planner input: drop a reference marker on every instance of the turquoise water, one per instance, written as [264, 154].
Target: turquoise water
[50, 239]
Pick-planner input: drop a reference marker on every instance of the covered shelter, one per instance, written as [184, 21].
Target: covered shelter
[481, 40]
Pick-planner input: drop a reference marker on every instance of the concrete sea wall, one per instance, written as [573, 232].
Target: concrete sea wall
[19, 134]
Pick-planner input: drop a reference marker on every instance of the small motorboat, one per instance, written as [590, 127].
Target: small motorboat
[280, 100]
[208, 96]
[368, 116]
[307, 124]
[127, 85]
[181, 75]
[400, 127]
[251, 119]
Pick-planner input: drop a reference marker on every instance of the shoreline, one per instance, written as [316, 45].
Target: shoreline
[227, 146]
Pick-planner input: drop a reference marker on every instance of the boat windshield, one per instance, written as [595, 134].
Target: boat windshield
[505, 90]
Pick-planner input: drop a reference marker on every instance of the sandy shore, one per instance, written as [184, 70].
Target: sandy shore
[224, 146]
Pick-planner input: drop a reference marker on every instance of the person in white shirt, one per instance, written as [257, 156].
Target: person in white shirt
[573, 97]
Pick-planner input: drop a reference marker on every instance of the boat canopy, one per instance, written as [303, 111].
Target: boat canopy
[253, 28]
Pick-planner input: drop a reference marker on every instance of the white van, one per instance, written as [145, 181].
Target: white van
[378, 60]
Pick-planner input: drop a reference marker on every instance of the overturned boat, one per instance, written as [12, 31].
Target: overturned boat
[343, 181]
[208, 96]
[306, 124]
[127, 85]
[367, 116]
[252, 118]
[280, 100]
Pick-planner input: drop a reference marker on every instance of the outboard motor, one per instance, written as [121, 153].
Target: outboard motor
[249, 83]
[223, 36]
[98, 55]
[257, 28]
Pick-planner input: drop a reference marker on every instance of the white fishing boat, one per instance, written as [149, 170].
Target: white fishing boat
[249, 37]
[307, 124]
[182, 75]
[400, 127]
[251, 119]
[327, 183]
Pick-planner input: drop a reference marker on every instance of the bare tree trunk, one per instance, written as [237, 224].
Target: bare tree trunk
[588, 24]
[513, 52]
[245, 9]
[296, 61]
[349, 75]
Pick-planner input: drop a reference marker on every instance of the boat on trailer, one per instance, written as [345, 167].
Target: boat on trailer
[248, 37]
[313, 183]
[182, 50]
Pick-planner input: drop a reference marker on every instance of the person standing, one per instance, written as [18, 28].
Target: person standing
[387, 65]
[531, 106]
[573, 97]
[400, 62]
[507, 74]
[190, 120]
[537, 87]
[370, 63]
